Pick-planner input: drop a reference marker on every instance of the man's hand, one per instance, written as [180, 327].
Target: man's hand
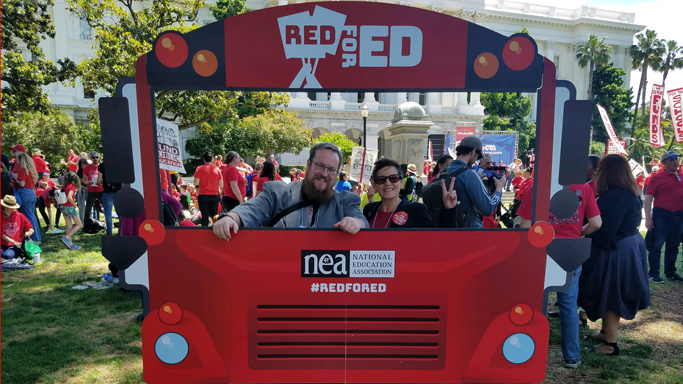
[16, 243]
[648, 224]
[500, 183]
[350, 225]
[222, 228]
[450, 196]
[28, 233]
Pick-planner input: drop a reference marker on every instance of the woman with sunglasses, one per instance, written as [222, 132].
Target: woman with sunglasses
[392, 211]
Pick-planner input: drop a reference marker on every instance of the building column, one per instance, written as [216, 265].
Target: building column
[401, 97]
[475, 99]
[369, 99]
[336, 101]
[299, 100]
[433, 102]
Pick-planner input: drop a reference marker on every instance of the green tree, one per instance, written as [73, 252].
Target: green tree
[338, 139]
[124, 32]
[509, 112]
[608, 91]
[227, 8]
[593, 53]
[25, 23]
[672, 59]
[274, 131]
[645, 54]
[54, 133]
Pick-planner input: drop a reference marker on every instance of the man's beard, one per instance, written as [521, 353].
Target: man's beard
[315, 195]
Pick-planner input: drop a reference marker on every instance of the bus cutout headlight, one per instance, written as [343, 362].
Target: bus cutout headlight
[518, 348]
[171, 348]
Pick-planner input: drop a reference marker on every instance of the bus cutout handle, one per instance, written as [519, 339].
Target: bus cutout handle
[576, 126]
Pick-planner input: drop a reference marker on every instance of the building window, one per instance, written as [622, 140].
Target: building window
[88, 94]
[422, 99]
[85, 31]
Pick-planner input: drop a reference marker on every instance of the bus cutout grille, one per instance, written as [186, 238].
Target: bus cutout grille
[287, 336]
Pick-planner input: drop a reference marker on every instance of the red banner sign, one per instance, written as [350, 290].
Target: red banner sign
[612, 147]
[656, 136]
[610, 131]
[461, 133]
[676, 108]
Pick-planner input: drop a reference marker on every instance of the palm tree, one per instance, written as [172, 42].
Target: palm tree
[595, 52]
[673, 59]
[647, 53]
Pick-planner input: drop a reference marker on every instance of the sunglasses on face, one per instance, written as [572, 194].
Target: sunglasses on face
[95, 157]
[383, 179]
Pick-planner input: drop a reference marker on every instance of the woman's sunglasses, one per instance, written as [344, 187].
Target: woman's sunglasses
[383, 179]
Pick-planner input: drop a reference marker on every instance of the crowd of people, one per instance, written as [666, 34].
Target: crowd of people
[80, 195]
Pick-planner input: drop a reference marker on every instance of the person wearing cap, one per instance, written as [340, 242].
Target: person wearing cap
[24, 177]
[409, 184]
[41, 165]
[666, 220]
[470, 188]
[15, 227]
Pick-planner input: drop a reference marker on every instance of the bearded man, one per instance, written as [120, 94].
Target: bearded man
[313, 203]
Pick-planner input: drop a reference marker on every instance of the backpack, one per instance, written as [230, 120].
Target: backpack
[248, 187]
[419, 188]
[432, 196]
[94, 226]
[60, 196]
[168, 217]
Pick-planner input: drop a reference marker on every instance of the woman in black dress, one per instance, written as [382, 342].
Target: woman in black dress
[614, 282]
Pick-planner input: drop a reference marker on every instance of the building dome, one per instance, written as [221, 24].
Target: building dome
[409, 111]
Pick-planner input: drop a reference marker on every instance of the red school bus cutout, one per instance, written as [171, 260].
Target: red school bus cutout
[295, 305]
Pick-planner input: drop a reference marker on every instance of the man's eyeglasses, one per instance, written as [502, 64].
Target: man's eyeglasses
[383, 179]
[323, 168]
[95, 157]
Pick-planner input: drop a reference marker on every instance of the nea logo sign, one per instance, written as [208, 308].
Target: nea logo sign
[325, 263]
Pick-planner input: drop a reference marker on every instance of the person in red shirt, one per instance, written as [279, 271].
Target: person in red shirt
[210, 182]
[235, 185]
[40, 163]
[73, 222]
[524, 186]
[92, 178]
[24, 177]
[570, 227]
[664, 217]
[72, 161]
[267, 174]
[15, 227]
[655, 170]
[219, 162]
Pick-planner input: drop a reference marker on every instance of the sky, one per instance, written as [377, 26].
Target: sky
[663, 16]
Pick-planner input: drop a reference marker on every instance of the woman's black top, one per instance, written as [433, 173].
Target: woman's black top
[620, 211]
[418, 216]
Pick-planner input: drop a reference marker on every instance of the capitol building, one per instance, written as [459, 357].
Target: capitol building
[558, 32]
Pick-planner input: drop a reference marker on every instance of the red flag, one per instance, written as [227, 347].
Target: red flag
[610, 131]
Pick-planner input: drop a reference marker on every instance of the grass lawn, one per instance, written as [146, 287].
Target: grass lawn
[52, 333]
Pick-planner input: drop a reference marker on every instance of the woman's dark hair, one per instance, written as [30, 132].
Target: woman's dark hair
[232, 155]
[82, 163]
[441, 160]
[386, 162]
[207, 157]
[185, 205]
[614, 172]
[268, 170]
[342, 175]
